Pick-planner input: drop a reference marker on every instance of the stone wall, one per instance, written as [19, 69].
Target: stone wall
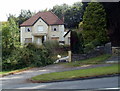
[99, 50]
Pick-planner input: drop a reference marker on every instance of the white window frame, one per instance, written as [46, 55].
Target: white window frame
[40, 28]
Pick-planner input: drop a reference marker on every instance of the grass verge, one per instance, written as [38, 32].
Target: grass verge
[76, 74]
[13, 71]
[96, 60]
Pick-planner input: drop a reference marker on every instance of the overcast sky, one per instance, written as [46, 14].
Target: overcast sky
[14, 6]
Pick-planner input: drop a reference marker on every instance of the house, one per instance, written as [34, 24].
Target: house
[67, 37]
[42, 27]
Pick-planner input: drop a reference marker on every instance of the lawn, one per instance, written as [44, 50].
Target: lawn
[77, 73]
[96, 60]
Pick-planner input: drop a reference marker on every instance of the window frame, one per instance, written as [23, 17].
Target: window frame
[40, 30]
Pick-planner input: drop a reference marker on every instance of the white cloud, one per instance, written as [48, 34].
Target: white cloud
[14, 6]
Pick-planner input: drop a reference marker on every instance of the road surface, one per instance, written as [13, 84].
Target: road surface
[107, 82]
[18, 80]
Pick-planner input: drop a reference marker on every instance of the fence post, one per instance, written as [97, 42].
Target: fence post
[69, 54]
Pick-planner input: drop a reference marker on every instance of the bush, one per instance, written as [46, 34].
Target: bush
[88, 47]
[31, 55]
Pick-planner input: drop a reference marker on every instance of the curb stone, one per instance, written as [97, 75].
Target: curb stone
[75, 79]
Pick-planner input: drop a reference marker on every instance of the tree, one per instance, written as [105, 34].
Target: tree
[73, 15]
[113, 21]
[24, 15]
[10, 36]
[77, 42]
[94, 24]
[59, 10]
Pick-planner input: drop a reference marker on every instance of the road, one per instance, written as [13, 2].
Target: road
[19, 81]
[107, 82]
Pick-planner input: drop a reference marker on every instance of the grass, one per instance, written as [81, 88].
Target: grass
[77, 73]
[13, 71]
[96, 60]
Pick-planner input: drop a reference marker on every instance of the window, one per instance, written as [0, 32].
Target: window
[55, 38]
[27, 29]
[28, 40]
[55, 29]
[40, 28]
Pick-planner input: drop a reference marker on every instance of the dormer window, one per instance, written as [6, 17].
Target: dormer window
[28, 29]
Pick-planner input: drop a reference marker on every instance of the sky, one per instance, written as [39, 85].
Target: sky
[14, 6]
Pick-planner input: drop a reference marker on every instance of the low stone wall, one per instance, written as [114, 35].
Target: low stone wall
[93, 53]
[116, 51]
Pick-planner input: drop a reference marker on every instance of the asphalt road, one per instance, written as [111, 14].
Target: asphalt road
[107, 82]
[18, 80]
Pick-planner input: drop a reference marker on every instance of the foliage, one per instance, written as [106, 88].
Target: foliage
[29, 56]
[71, 14]
[77, 42]
[94, 24]
[23, 16]
[10, 37]
[15, 56]
[59, 10]
[113, 21]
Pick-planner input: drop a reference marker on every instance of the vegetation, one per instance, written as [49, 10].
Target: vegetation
[13, 71]
[77, 74]
[77, 42]
[71, 15]
[90, 61]
[15, 56]
[94, 25]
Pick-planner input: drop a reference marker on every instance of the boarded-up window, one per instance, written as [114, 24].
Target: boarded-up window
[28, 40]
[55, 38]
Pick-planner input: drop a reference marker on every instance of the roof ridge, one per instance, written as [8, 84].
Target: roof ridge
[49, 14]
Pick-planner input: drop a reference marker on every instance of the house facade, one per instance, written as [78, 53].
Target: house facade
[41, 27]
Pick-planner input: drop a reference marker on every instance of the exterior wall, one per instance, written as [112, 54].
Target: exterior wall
[67, 39]
[48, 31]
[40, 22]
[24, 35]
[58, 33]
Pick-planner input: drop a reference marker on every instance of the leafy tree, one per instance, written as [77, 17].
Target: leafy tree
[10, 36]
[73, 15]
[59, 10]
[24, 15]
[70, 14]
[94, 24]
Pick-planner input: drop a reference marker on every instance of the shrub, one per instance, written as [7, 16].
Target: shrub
[31, 55]
[88, 47]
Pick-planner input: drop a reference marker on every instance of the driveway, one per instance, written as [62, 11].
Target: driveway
[21, 77]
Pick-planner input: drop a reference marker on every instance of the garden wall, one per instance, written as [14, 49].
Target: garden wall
[95, 52]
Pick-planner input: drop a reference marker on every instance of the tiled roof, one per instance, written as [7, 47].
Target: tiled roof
[49, 17]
